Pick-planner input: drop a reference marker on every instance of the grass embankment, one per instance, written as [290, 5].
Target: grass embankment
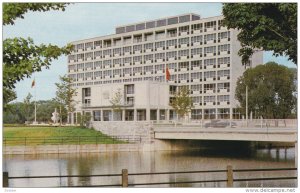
[30, 135]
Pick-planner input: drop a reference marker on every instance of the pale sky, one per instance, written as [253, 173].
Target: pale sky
[87, 20]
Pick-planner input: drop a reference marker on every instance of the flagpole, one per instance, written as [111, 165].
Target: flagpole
[34, 101]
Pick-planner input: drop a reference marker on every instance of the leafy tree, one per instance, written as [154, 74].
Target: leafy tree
[182, 102]
[271, 90]
[65, 95]
[116, 102]
[8, 96]
[21, 57]
[12, 11]
[267, 26]
[28, 107]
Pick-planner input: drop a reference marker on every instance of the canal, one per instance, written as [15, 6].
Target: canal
[162, 161]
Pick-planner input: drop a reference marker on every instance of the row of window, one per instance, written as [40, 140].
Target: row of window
[163, 55]
[149, 37]
[206, 63]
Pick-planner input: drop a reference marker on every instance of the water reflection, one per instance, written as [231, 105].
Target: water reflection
[135, 162]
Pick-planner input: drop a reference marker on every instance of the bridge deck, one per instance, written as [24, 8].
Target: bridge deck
[275, 134]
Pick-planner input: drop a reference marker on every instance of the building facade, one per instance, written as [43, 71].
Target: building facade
[199, 53]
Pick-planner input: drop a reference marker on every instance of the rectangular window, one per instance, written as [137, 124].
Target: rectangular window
[88, 75]
[97, 115]
[137, 69]
[107, 52]
[86, 92]
[171, 54]
[196, 114]
[209, 62]
[117, 51]
[197, 99]
[196, 87]
[127, 71]
[137, 58]
[117, 61]
[223, 85]
[224, 73]
[198, 26]
[80, 66]
[148, 46]
[129, 89]
[98, 54]
[209, 87]
[159, 56]
[98, 43]
[196, 75]
[117, 72]
[209, 99]
[183, 65]
[80, 76]
[171, 42]
[148, 57]
[80, 56]
[196, 51]
[98, 74]
[127, 49]
[160, 67]
[210, 37]
[137, 48]
[148, 69]
[211, 24]
[107, 63]
[89, 45]
[160, 44]
[88, 65]
[196, 63]
[107, 73]
[211, 49]
[183, 76]
[223, 98]
[183, 53]
[197, 39]
[172, 66]
[224, 48]
[98, 64]
[210, 74]
[225, 60]
[127, 60]
[182, 41]
[224, 35]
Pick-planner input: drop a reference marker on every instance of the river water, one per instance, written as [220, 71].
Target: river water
[163, 161]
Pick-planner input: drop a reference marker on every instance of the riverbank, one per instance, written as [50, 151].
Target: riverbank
[36, 135]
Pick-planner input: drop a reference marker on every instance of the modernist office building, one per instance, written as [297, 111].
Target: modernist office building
[198, 52]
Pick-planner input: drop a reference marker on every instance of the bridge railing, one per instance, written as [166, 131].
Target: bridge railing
[231, 176]
[227, 123]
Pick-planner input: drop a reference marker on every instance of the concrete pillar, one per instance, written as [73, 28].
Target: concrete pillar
[101, 114]
[112, 115]
[167, 114]
[148, 114]
[76, 117]
[157, 115]
[123, 115]
[135, 115]
[296, 154]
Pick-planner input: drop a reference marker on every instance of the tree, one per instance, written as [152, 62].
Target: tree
[271, 90]
[267, 26]
[65, 95]
[28, 107]
[182, 102]
[116, 102]
[8, 96]
[21, 57]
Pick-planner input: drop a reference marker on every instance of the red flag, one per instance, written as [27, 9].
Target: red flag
[33, 83]
[167, 74]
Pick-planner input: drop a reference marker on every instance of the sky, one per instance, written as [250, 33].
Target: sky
[88, 20]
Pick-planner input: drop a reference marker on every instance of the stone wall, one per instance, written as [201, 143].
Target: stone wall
[120, 128]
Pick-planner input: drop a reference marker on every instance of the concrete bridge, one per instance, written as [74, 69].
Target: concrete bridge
[255, 130]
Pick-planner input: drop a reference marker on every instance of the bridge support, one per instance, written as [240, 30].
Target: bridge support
[296, 154]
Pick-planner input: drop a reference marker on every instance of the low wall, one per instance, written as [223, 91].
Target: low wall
[155, 145]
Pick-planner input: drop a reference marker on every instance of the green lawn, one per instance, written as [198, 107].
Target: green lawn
[54, 135]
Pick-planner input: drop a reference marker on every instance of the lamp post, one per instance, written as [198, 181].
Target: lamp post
[246, 105]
